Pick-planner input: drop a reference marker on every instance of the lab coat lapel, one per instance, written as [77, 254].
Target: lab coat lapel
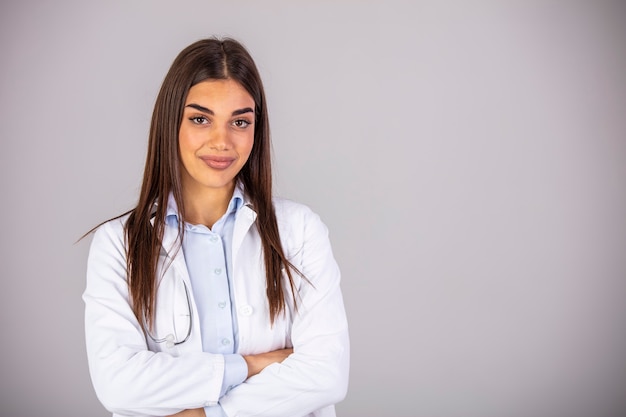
[245, 218]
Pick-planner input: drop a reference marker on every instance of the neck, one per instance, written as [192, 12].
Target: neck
[206, 206]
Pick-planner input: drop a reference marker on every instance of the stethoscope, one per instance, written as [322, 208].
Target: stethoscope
[169, 340]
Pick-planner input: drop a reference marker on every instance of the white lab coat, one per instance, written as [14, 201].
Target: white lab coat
[135, 376]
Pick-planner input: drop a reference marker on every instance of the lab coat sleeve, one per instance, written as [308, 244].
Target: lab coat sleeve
[315, 375]
[128, 378]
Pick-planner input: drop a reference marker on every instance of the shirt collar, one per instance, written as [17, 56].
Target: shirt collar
[236, 202]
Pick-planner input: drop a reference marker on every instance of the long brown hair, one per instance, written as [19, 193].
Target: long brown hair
[205, 59]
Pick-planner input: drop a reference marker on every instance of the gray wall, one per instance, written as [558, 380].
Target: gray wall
[469, 159]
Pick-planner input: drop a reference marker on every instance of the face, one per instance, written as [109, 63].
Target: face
[216, 135]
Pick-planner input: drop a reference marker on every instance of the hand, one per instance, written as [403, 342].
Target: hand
[195, 412]
[256, 363]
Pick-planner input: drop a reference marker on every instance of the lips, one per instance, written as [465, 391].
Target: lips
[218, 162]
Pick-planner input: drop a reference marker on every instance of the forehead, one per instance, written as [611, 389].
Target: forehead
[219, 93]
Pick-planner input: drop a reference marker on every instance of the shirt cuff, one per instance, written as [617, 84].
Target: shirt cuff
[214, 411]
[235, 372]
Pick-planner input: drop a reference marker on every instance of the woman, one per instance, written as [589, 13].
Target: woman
[211, 297]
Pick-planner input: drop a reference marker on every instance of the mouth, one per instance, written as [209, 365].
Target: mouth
[218, 162]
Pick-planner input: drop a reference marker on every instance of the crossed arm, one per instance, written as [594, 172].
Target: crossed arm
[256, 363]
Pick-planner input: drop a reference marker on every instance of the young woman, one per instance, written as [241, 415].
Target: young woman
[212, 297]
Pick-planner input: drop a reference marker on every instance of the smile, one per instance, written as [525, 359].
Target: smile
[218, 162]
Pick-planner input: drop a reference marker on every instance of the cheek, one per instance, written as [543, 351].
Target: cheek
[188, 143]
[186, 149]
[245, 153]
[249, 145]
[184, 141]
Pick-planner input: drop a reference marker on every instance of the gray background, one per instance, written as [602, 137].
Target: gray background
[468, 157]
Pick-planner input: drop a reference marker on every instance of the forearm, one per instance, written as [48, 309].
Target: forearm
[306, 381]
[256, 363]
[194, 412]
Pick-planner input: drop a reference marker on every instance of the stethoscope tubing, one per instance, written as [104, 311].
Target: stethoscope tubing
[169, 340]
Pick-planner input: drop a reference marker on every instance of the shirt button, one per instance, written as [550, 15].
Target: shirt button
[218, 271]
[221, 304]
[213, 238]
[246, 310]
[225, 342]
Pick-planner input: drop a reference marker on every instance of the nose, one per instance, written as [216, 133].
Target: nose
[219, 139]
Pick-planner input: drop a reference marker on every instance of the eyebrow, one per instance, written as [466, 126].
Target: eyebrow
[211, 112]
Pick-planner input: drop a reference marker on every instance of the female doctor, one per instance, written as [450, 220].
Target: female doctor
[212, 297]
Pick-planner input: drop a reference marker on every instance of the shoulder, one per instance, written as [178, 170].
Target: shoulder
[107, 252]
[110, 233]
[291, 211]
[286, 207]
[297, 220]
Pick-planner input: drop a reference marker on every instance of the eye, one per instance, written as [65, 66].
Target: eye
[241, 123]
[199, 120]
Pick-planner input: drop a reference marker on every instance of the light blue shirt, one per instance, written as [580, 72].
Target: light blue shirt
[208, 255]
